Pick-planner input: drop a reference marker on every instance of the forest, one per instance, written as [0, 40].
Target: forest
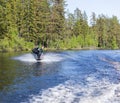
[25, 23]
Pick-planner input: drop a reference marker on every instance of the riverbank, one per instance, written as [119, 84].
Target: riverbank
[50, 49]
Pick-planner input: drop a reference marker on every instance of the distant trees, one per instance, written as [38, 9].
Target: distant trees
[27, 22]
[108, 32]
[103, 32]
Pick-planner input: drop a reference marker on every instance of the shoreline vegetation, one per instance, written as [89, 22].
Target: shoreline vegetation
[24, 24]
[51, 49]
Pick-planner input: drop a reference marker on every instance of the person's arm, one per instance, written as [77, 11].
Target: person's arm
[41, 50]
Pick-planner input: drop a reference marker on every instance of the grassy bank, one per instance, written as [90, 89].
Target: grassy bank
[15, 44]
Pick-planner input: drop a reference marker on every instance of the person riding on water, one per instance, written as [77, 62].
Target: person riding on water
[38, 51]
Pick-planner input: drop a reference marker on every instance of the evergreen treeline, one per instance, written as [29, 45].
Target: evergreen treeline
[24, 23]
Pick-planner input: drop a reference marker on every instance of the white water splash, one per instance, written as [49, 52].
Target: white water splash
[48, 57]
[51, 57]
[25, 58]
[72, 92]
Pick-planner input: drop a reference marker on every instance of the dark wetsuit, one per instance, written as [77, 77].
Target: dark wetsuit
[38, 52]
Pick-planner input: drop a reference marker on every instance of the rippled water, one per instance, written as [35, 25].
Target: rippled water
[91, 76]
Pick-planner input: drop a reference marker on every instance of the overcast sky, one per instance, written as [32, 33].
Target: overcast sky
[106, 7]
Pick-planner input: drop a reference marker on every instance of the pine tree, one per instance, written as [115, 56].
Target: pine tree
[57, 21]
[102, 31]
[3, 25]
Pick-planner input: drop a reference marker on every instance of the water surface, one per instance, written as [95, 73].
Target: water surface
[91, 76]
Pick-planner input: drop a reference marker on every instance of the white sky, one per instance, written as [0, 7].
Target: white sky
[106, 7]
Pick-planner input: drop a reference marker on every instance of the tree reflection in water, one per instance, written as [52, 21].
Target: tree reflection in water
[41, 68]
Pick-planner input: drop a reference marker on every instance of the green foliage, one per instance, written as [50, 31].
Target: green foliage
[114, 43]
[24, 23]
[14, 43]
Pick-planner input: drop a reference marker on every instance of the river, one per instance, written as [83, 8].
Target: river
[80, 76]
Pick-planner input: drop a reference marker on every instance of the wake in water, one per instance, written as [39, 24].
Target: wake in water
[72, 92]
[48, 57]
[85, 85]
[91, 77]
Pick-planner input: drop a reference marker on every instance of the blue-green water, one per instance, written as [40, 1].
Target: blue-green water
[91, 76]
